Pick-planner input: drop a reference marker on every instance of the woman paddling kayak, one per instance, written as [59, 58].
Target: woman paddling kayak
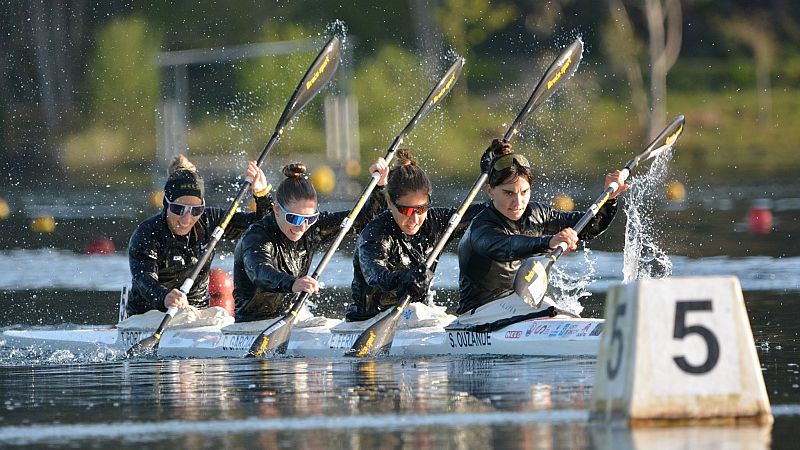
[510, 230]
[389, 259]
[164, 249]
[272, 259]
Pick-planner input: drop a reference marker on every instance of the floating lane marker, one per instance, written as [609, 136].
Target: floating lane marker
[677, 351]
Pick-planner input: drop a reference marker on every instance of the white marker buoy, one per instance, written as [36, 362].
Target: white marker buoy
[678, 350]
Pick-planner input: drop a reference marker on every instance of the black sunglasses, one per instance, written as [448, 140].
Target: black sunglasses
[180, 209]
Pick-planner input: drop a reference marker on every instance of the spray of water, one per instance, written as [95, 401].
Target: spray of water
[568, 286]
[643, 256]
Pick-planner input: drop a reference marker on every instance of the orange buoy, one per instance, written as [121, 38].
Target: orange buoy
[675, 191]
[100, 246]
[43, 224]
[220, 286]
[156, 198]
[759, 220]
[563, 202]
[5, 211]
[324, 179]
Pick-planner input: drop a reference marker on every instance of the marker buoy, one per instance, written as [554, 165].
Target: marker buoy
[220, 286]
[156, 199]
[674, 191]
[43, 224]
[676, 351]
[324, 179]
[352, 168]
[100, 246]
[563, 202]
[759, 219]
[5, 211]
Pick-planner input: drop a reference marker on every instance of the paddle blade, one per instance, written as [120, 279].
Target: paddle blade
[145, 347]
[317, 76]
[437, 95]
[557, 74]
[665, 139]
[530, 282]
[377, 339]
[274, 340]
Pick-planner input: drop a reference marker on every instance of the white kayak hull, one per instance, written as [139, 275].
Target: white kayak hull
[537, 337]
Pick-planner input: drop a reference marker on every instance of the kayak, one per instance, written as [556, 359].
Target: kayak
[323, 337]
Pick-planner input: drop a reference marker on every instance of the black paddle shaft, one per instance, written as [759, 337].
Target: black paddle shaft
[276, 337]
[377, 338]
[315, 78]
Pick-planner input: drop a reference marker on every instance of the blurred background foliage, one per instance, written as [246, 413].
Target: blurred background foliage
[79, 87]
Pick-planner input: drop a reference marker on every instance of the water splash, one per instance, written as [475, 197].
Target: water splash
[643, 256]
[570, 286]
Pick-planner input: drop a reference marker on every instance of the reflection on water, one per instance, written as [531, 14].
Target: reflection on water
[426, 402]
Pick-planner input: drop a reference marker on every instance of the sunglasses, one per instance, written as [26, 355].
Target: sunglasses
[506, 161]
[180, 209]
[298, 219]
[409, 210]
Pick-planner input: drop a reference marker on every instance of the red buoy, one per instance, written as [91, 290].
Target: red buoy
[100, 246]
[220, 285]
[759, 219]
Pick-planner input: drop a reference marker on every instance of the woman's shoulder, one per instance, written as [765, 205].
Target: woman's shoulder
[379, 224]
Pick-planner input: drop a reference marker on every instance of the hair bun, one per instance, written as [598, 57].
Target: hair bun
[403, 158]
[181, 162]
[500, 147]
[294, 170]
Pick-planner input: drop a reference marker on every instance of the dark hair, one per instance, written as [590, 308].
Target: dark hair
[498, 177]
[406, 176]
[296, 186]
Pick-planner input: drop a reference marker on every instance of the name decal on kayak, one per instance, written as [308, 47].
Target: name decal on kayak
[342, 340]
[468, 339]
[237, 341]
[133, 337]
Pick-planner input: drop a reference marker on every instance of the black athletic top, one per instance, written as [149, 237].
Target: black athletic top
[493, 247]
[383, 252]
[266, 263]
[161, 261]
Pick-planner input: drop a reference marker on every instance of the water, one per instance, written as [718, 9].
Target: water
[100, 399]
[428, 403]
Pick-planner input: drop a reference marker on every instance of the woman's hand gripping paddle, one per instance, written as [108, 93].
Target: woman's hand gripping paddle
[317, 76]
[377, 339]
[275, 339]
[530, 283]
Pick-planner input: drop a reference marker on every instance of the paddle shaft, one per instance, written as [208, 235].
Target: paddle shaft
[378, 337]
[275, 338]
[392, 318]
[315, 78]
[347, 224]
[666, 138]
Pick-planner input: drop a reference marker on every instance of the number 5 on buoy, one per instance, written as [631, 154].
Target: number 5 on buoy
[678, 349]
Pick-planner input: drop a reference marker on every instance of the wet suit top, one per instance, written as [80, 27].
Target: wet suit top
[266, 263]
[161, 261]
[383, 252]
[493, 247]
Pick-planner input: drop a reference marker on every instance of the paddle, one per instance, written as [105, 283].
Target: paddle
[317, 76]
[530, 282]
[275, 338]
[377, 339]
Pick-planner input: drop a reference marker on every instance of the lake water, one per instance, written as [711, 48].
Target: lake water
[101, 400]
